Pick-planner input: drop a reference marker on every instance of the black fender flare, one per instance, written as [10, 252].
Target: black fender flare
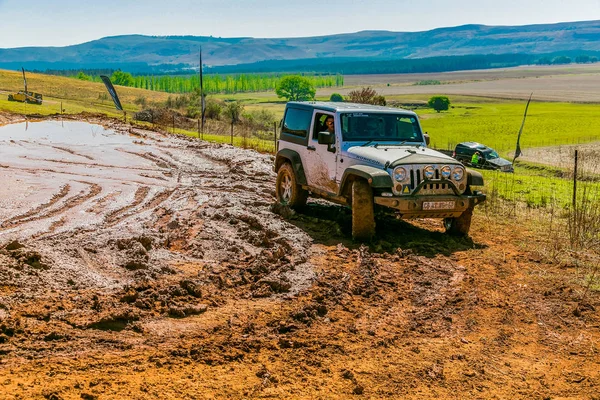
[376, 177]
[474, 178]
[287, 155]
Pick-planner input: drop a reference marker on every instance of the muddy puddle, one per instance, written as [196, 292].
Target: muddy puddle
[71, 132]
[90, 206]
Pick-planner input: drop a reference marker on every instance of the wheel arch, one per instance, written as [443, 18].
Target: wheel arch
[291, 156]
[377, 178]
[474, 178]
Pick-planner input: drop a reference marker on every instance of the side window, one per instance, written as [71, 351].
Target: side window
[321, 124]
[296, 122]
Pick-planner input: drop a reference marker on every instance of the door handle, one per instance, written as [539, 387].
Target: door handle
[313, 148]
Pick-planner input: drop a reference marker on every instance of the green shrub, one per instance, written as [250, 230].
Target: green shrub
[336, 97]
[439, 103]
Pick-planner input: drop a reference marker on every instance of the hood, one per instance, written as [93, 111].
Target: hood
[500, 162]
[390, 156]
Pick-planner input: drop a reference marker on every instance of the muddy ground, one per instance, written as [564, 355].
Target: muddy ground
[150, 266]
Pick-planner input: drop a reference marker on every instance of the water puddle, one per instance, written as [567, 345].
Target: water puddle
[62, 132]
[46, 143]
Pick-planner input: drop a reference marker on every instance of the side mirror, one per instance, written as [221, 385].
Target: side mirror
[427, 139]
[326, 138]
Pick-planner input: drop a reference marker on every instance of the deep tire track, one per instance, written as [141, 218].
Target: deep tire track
[9, 223]
[74, 201]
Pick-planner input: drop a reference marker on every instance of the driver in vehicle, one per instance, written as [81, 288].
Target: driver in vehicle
[329, 124]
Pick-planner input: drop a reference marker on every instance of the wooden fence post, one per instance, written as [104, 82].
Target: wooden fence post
[275, 136]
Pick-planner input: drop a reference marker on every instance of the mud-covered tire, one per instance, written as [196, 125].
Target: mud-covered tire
[289, 192]
[459, 226]
[363, 215]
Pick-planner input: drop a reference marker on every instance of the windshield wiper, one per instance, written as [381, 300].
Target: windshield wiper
[368, 143]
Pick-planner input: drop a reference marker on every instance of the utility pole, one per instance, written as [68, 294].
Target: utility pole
[202, 100]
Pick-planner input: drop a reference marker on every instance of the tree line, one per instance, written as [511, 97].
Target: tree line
[401, 66]
[213, 83]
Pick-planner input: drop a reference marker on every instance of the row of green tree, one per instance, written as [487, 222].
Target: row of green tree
[350, 66]
[580, 59]
[213, 83]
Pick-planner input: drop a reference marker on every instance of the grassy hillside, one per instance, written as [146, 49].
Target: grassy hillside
[75, 95]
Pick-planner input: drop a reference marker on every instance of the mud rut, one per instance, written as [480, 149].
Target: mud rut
[173, 274]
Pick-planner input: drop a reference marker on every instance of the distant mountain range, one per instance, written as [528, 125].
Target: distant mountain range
[162, 53]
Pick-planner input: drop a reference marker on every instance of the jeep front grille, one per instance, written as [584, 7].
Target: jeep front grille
[417, 176]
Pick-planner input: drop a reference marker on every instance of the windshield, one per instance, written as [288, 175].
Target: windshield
[491, 155]
[379, 127]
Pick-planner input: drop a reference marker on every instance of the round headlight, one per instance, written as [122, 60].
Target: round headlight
[446, 171]
[429, 172]
[458, 173]
[400, 174]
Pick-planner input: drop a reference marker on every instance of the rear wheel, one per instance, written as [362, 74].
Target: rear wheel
[289, 192]
[363, 217]
[459, 226]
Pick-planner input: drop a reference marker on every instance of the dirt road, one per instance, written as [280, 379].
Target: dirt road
[140, 265]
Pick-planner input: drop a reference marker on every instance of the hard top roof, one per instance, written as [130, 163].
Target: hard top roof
[474, 145]
[335, 106]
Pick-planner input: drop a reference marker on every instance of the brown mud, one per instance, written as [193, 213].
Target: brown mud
[158, 267]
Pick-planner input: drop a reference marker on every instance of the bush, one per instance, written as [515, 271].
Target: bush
[177, 102]
[428, 82]
[213, 109]
[379, 100]
[336, 97]
[366, 96]
[261, 118]
[141, 101]
[439, 103]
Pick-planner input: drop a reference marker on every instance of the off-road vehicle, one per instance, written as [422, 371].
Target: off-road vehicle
[377, 156]
[489, 158]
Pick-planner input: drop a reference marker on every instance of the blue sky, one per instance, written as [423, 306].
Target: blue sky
[66, 22]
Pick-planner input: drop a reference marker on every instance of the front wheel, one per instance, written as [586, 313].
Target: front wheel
[459, 226]
[363, 216]
[289, 192]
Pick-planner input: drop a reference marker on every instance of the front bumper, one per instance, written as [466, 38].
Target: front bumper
[413, 206]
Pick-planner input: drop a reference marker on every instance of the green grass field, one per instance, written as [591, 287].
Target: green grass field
[497, 124]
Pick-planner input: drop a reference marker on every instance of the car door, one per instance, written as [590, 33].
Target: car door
[320, 159]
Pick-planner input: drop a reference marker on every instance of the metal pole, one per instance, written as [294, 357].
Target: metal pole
[202, 99]
[198, 127]
[575, 183]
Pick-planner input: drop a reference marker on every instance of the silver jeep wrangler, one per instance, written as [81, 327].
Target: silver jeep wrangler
[374, 156]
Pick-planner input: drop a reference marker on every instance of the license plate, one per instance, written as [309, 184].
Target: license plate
[438, 205]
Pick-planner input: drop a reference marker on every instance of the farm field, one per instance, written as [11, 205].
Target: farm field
[578, 83]
[139, 264]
